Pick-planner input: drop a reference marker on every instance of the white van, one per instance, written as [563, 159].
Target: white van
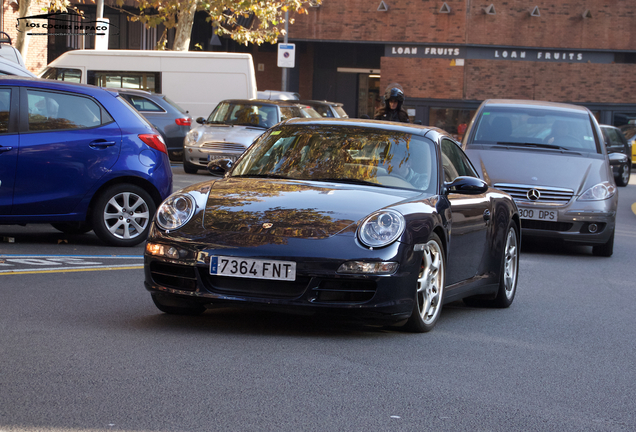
[195, 80]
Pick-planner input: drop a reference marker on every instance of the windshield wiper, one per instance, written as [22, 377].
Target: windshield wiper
[346, 180]
[274, 176]
[539, 145]
[250, 124]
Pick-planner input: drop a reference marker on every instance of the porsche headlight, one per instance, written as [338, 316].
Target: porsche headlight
[192, 137]
[599, 192]
[381, 228]
[175, 211]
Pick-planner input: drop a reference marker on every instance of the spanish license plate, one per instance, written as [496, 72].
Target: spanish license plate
[538, 214]
[253, 268]
[213, 157]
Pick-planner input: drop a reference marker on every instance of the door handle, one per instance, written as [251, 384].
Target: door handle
[487, 215]
[5, 149]
[100, 144]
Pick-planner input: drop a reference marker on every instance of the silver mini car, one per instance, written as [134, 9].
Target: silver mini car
[232, 128]
[551, 159]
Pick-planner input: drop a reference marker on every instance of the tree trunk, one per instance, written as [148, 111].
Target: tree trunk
[185, 19]
[22, 40]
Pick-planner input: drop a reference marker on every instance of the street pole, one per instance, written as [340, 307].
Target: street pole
[285, 40]
[99, 15]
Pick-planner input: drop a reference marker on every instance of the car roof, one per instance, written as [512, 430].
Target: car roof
[262, 102]
[13, 68]
[318, 102]
[52, 84]
[133, 91]
[429, 131]
[534, 103]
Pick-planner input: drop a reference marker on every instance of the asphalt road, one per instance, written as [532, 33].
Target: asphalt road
[86, 350]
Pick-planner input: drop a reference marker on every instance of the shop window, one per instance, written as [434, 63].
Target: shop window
[452, 120]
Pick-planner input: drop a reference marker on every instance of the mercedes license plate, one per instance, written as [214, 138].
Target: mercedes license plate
[253, 268]
[538, 214]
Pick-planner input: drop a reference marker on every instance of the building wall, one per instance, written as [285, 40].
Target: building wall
[560, 24]
[486, 79]
[36, 57]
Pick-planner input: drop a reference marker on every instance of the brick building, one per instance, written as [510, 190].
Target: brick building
[448, 55]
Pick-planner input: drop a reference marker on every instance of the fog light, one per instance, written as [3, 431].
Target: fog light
[592, 228]
[162, 250]
[361, 267]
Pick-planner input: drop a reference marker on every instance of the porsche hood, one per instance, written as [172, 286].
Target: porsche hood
[291, 208]
[540, 168]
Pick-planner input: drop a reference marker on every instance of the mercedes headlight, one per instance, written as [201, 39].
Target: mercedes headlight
[599, 192]
[175, 211]
[381, 228]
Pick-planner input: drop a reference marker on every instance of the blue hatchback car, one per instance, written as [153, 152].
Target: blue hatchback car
[80, 158]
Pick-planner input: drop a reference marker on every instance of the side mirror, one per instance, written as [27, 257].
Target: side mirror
[218, 167]
[466, 185]
[200, 120]
[618, 158]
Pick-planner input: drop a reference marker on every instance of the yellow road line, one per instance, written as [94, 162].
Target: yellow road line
[634, 208]
[73, 270]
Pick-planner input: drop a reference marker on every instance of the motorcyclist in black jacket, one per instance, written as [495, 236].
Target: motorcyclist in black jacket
[393, 111]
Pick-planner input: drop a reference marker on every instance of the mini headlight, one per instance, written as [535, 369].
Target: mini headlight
[192, 137]
[381, 228]
[601, 191]
[175, 211]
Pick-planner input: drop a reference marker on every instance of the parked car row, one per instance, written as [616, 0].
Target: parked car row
[233, 126]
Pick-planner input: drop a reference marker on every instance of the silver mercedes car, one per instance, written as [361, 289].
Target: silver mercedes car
[551, 159]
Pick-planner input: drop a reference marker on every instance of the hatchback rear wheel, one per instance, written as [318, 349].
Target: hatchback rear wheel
[122, 215]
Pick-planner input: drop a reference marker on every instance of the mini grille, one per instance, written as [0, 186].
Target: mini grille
[547, 195]
[223, 146]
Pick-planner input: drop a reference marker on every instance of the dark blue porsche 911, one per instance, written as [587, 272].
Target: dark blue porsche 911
[376, 221]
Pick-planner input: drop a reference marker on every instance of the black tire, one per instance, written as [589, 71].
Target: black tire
[509, 273]
[177, 307]
[122, 215]
[604, 250]
[72, 228]
[623, 177]
[189, 168]
[429, 289]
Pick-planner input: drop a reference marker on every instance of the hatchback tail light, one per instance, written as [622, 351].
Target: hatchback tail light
[155, 141]
[186, 121]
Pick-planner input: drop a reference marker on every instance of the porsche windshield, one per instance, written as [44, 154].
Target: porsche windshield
[536, 128]
[343, 154]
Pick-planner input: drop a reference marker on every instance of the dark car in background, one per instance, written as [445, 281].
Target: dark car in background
[233, 126]
[172, 121]
[374, 221]
[326, 109]
[620, 153]
[551, 159]
[80, 158]
[629, 131]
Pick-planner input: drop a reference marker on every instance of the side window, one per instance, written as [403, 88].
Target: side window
[60, 74]
[58, 111]
[455, 162]
[5, 105]
[144, 104]
[290, 112]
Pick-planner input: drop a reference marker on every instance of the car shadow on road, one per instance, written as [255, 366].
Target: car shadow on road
[553, 247]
